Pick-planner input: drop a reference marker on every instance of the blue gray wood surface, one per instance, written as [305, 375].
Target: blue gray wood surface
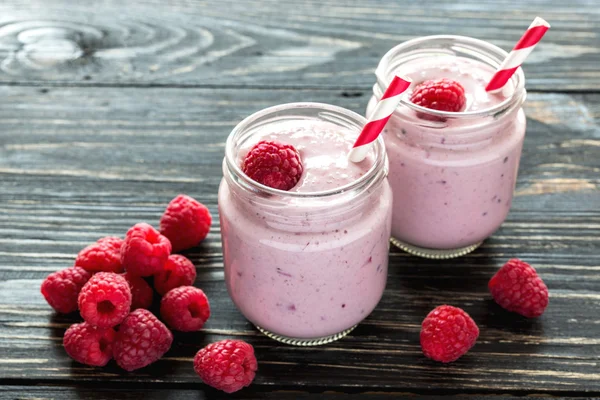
[109, 109]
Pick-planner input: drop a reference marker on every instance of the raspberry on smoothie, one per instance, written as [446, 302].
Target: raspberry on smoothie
[441, 94]
[273, 164]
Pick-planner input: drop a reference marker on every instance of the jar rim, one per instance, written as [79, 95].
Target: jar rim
[494, 57]
[379, 163]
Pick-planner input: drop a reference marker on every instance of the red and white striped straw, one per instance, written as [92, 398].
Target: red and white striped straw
[515, 58]
[382, 113]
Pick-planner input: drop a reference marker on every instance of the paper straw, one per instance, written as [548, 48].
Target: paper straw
[382, 113]
[515, 58]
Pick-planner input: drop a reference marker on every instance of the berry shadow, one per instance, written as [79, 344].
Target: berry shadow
[58, 324]
[429, 282]
[497, 317]
[417, 285]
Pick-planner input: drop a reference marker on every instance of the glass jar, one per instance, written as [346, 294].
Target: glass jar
[304, 268]
[452, 173]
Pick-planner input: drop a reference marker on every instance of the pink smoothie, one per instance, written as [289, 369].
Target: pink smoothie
[299, 267]
[452, 180]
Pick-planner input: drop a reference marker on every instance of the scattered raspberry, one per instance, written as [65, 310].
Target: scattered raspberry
[145, 251]
[178, 271]
[273, 164]
[447, 333]
[89, 345]
[104, 301]
[228, 365]
[186, 222]
[185, 309]
[104, 255]
[440, 94]
[141, 293]
[61, 288]
[141, 340]
[518, 288]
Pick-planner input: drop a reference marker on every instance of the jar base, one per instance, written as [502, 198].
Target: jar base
[439, 254]
[306, 342]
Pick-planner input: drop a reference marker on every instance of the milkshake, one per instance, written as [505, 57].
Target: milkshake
[452, 173]
[306, 265]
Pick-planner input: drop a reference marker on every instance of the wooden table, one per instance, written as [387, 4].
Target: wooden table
[108, 110]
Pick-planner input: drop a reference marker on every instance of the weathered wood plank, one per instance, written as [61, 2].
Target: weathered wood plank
[80, 163]
[71, 393]
[275, 43]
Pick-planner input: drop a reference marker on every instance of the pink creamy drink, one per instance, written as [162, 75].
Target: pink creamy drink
[452, 174]
[306, 265]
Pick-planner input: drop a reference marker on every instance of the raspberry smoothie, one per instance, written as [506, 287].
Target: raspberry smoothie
[306, 265]
[452, 173]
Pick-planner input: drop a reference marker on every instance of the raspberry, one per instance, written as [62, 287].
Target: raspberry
[447, 333]
[228, 365]
[518, 288]
[186, 222]
[61, 288]
[89, 345]
[185, 309]
[104, 255]
[273, 164]
[440, 94]
[178, 271]
[104, 301]
[141, 293]
[142, 339]
[145, 251]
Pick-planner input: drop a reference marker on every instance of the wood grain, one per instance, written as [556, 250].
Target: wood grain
[79, 163]
[70, 393]
[275, 43]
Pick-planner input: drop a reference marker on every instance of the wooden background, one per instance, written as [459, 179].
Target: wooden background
[108, 109]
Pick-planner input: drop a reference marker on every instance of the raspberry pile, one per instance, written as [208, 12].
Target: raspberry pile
[113, 284]
[185, 223]
[178, 271]
[185, 308]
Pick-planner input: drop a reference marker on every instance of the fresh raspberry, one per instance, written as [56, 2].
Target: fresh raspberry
[89, 345]
[145, 251]
[141, 293]
[178, 271]
[440, 94]
[518, 288]
[273, 164]
[447, 333]
[228, 365]
[105, 300]
[185, 309]
[104, 255]
[186, 222]
[61, 288]
[142, 339]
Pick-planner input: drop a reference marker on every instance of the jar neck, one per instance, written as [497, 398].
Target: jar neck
[458, 46]
[295, 205]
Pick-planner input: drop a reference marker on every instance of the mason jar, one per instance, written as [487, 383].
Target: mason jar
[452, 173]
[304, 267]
